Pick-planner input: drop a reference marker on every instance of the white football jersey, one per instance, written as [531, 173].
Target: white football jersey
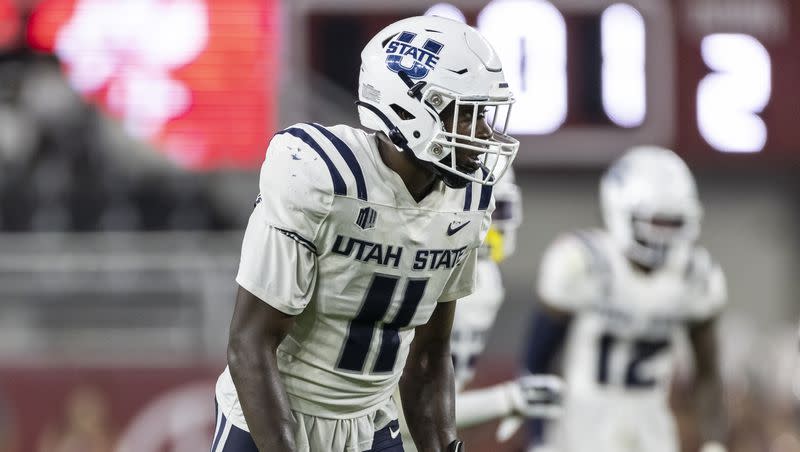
[624, 320]
[337, 240]
[618, 361]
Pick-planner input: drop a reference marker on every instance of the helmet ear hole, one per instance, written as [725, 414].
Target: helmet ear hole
[416, 134]
[404, 114]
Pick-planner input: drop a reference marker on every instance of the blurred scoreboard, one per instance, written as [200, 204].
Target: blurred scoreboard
[197, 78]
[715, 79]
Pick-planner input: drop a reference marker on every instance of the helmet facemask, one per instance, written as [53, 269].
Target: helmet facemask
[655, 237]
[476, 149]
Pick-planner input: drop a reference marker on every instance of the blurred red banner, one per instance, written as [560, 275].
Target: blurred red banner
[197, 78]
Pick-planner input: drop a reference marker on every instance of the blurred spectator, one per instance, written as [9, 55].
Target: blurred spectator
[65, 166]
[83, 427]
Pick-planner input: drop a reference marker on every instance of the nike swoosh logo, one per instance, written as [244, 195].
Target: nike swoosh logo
[452, 230]
[394, 433]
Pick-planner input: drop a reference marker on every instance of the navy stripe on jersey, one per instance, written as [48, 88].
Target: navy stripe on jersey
[390, 340]
[299, 239]
[362, 327]
[486, 192]
[349, 158]
[468, 197]
[220, 427]
[339, 187]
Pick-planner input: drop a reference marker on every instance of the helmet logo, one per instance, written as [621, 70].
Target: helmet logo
[402, 56]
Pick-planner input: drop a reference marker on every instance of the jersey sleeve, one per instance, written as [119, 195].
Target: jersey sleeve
[279, 256]
[707, 287]
[565, 280]
[462, 280]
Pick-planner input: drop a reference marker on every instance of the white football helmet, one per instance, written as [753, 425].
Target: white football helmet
[415, 68]
[650, 204]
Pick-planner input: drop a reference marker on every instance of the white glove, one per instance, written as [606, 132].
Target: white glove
[713, 446]
[536, 396]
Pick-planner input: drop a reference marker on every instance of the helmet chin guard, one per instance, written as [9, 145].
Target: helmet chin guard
[416, 68]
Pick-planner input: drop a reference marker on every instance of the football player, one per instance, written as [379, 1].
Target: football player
[615, 299]
[528, 396]
[357, 247]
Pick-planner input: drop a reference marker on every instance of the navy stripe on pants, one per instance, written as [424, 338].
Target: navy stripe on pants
[229, 438]
[383, 441]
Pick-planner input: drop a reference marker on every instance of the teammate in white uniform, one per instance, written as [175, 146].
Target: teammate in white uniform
[356, 248]
[528, 396]
[616, 299]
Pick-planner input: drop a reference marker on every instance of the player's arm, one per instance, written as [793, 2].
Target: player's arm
[529, 396]
[427, 387]
[256, 331]
[277, 276]
[711, 295]
[565, 284]
[548, 330]
[708, 392]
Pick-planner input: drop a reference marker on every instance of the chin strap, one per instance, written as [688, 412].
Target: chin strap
[395, 135]
[399, 140]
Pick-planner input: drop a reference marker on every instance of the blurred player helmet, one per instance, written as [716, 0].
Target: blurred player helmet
[506, 218]
[412, 70]
[650, 204]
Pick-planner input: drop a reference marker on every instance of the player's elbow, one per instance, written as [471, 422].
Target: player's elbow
[243, 351]
[428, 359]
[237, 353]
[435, 351]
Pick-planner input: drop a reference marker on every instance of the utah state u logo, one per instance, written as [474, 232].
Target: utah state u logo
[414, 61]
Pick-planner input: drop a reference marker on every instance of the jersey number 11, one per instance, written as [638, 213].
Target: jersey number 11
[373, 310]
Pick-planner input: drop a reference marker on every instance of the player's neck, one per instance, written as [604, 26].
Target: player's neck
[418, 180]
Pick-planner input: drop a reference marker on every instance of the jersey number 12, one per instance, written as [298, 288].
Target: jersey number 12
[641, 352]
